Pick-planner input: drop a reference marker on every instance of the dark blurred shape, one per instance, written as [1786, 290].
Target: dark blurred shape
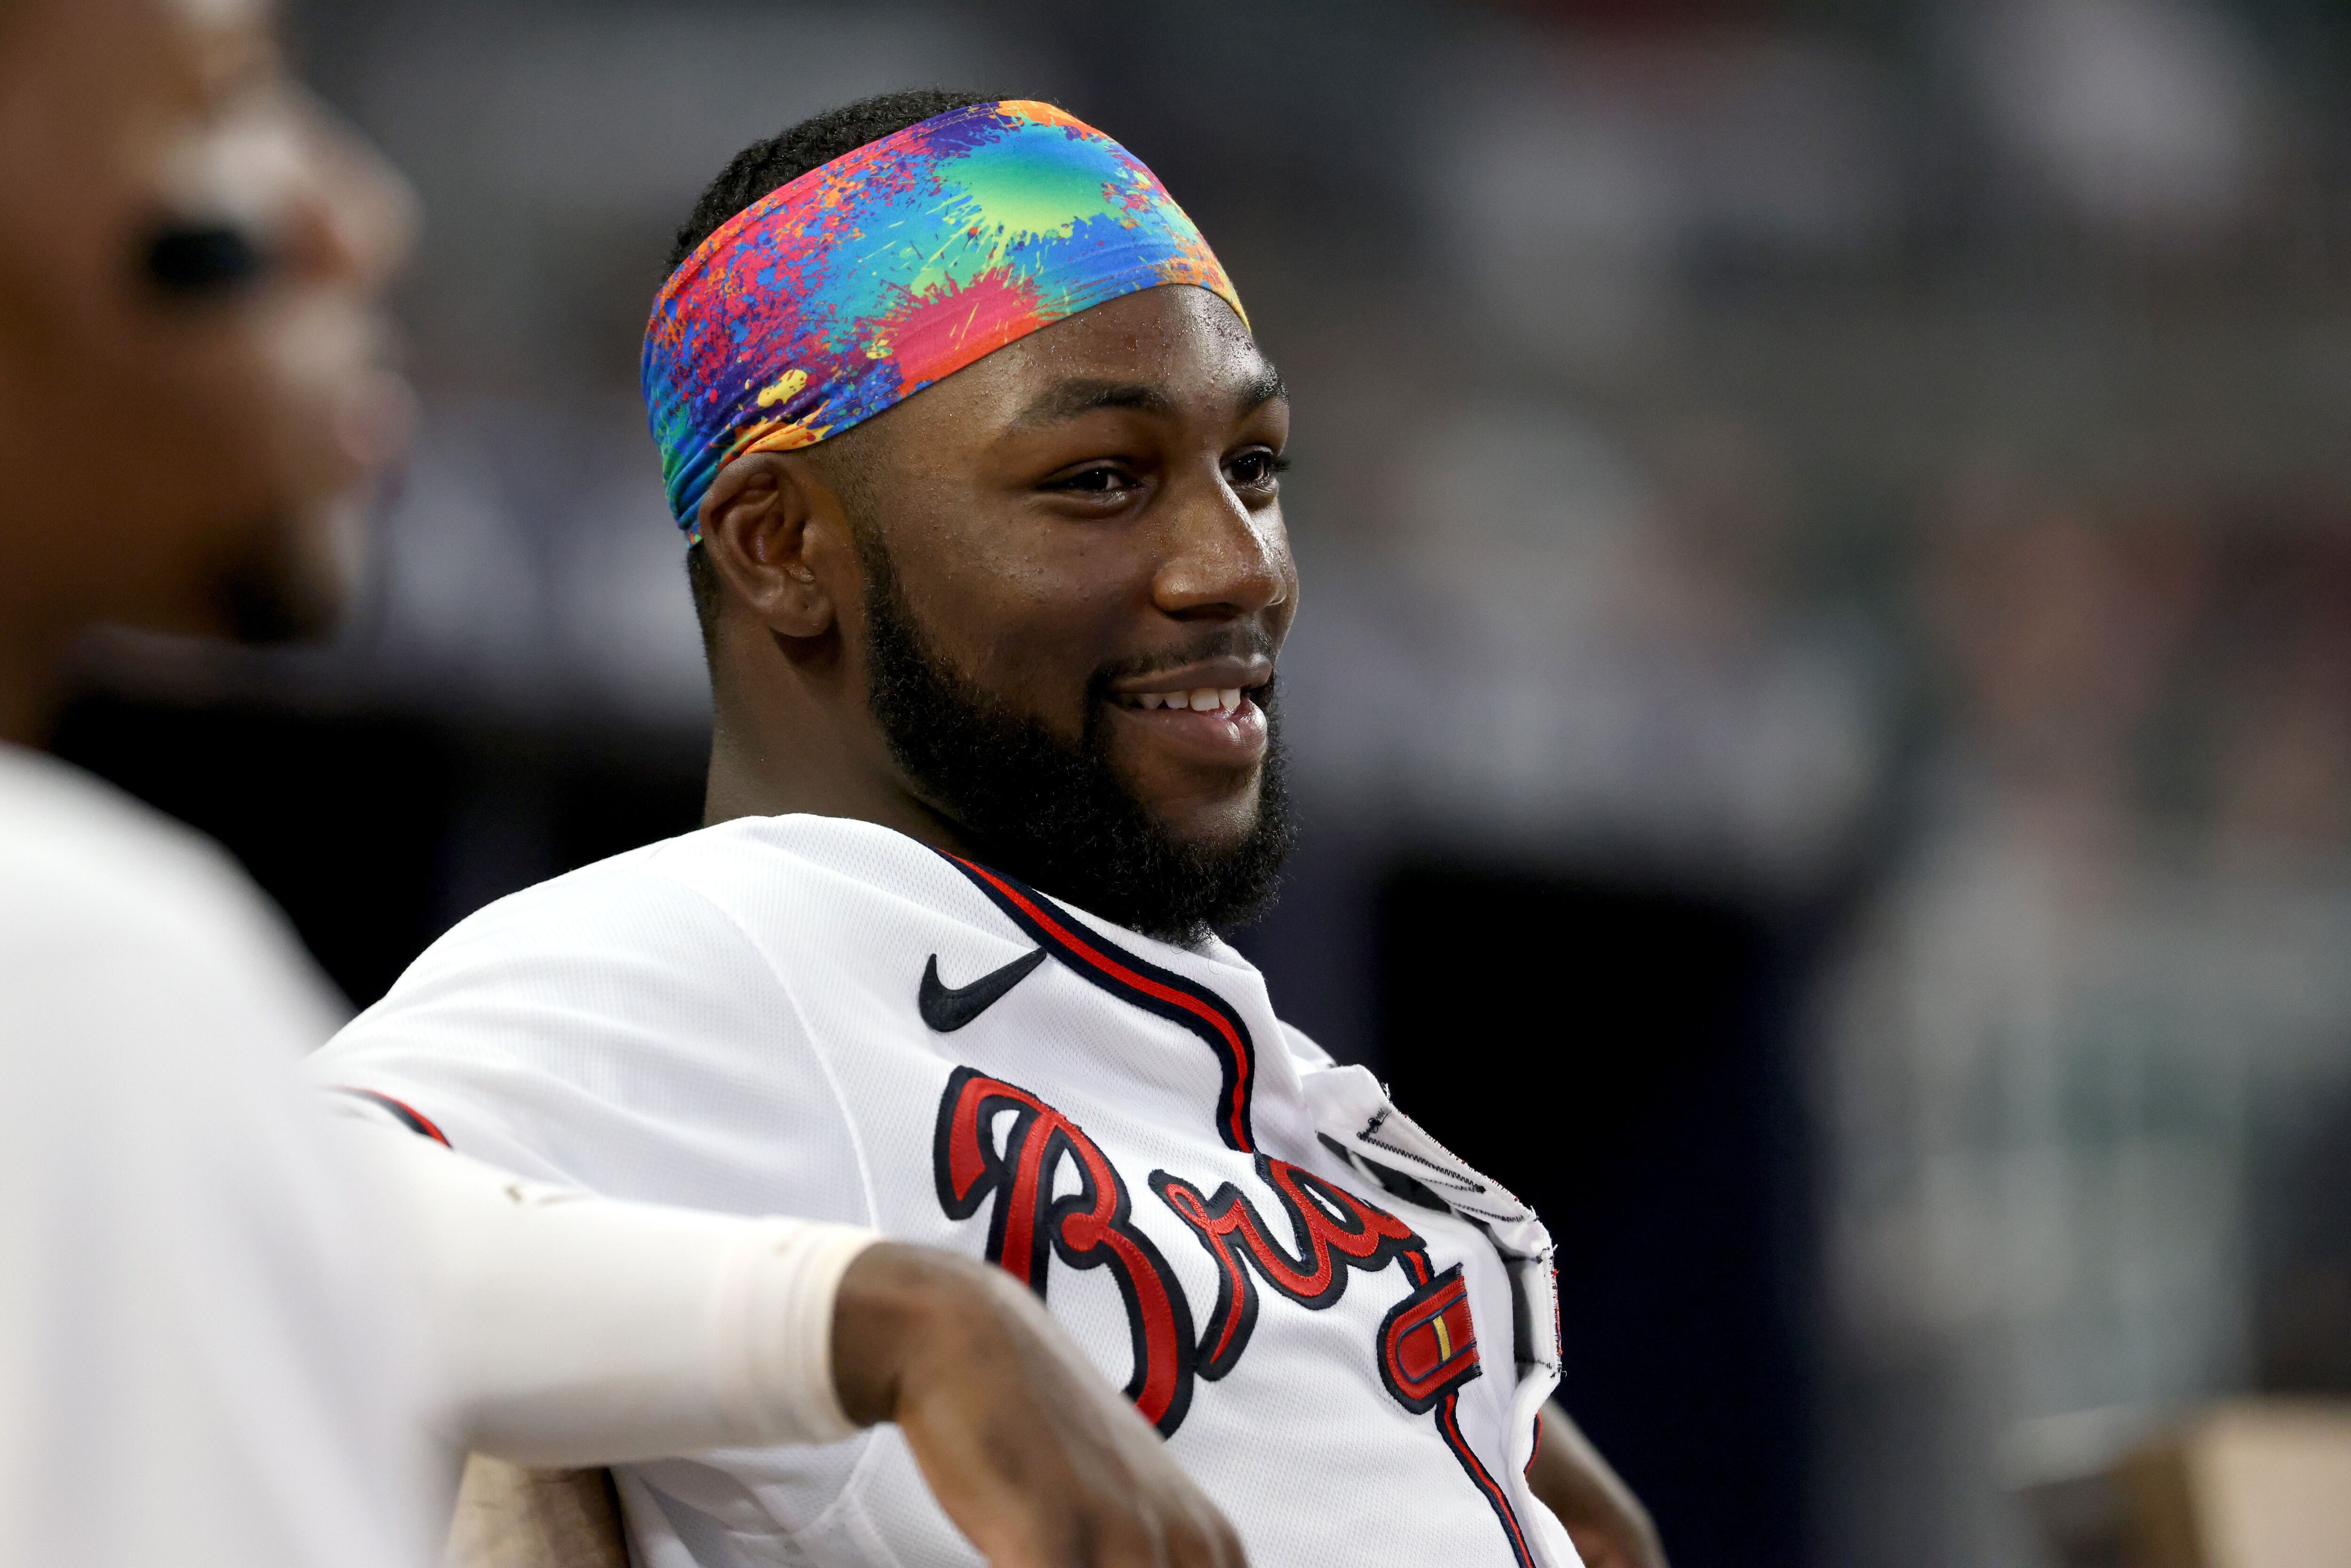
[1614, 1057]
[202, 261]
[2302, 1261]
[377, 832]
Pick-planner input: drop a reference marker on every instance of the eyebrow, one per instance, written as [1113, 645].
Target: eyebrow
[1067, 400]
[1268, 386]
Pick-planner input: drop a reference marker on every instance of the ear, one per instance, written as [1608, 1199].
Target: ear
[775, 535]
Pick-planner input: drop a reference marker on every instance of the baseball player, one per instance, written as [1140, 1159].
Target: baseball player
[232, 1334]
[978, 464]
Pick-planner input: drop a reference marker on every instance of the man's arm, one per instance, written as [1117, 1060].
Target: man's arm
[1606, 1521]
[575, 1330]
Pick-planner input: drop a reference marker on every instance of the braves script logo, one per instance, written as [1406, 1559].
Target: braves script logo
[1089, 1229]
[1427, 1347]
[1331, 1230]
[999, 1145]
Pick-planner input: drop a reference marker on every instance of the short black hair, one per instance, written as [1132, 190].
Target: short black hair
[762, 167]
[780, 159]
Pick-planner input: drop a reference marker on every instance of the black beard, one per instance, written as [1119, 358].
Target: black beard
[1053, 814]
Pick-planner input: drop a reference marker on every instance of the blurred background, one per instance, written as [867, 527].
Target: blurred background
[1823, 708]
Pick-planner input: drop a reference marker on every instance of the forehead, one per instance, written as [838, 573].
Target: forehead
[1181, 340]
[136, 23]
[228, 42]
[212, 14]
[1174, 330]
[93, 72]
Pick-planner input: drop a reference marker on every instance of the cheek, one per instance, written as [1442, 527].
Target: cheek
[1041, 651]
[222, 451]
[336, 413]
[1024, 615]
[284, 407]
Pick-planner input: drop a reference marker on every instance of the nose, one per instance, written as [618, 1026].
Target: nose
[1224, 560]
[357, 223]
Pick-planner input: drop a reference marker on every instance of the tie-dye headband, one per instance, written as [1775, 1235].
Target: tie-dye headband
[865, 280]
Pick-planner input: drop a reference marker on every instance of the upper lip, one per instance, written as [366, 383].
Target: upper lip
[1214, 675]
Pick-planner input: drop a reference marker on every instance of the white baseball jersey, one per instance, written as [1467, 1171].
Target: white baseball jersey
[1344, 1332]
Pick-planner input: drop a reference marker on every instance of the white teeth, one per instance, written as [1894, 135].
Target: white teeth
[1208, 699]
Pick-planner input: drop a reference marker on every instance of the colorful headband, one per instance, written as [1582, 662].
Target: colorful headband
[865, 280]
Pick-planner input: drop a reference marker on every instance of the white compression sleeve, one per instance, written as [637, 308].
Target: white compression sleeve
[575, 1330]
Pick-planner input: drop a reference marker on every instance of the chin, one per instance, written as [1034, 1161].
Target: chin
[1213, 827]
[293, 576]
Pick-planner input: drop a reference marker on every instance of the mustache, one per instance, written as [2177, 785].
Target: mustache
[1237, 642]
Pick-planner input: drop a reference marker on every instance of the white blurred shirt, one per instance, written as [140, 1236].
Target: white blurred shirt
[200, 1361]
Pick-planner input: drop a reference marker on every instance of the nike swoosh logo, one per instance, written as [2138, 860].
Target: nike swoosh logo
[948, 1009]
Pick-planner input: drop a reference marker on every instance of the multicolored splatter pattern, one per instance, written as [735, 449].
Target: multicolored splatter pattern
[864, 281]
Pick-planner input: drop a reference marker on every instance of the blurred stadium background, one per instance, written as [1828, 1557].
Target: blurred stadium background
[1823, 703]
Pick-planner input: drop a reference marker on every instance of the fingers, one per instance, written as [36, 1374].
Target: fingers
[1177, 1534]
[1209, 1542]
[1034, 1456]
[1153, 1520]
[1038, 1486]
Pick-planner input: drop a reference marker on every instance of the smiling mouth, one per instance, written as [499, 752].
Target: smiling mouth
[1199, 699]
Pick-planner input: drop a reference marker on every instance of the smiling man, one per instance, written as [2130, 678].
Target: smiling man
[979, 462]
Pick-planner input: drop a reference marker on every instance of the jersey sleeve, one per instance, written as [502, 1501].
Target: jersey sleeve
[614, 1029]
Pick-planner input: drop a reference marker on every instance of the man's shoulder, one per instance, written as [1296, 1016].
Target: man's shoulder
[747, 873]
[830, 854]
[741, 910]
[638, 1024]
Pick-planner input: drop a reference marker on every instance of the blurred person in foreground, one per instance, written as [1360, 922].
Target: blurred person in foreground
[977, 462]
[235, 1330]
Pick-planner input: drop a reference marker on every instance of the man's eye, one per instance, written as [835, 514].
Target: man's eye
[1253, 470]
[1102, 480]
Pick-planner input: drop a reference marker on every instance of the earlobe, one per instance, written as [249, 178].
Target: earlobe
[763, 517]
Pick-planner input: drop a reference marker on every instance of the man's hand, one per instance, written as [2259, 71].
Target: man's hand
[1606, 1521]
[1037, 1460]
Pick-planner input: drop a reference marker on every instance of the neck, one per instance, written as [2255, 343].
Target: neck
[44, 591]
[32, 672]
[788, 738]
